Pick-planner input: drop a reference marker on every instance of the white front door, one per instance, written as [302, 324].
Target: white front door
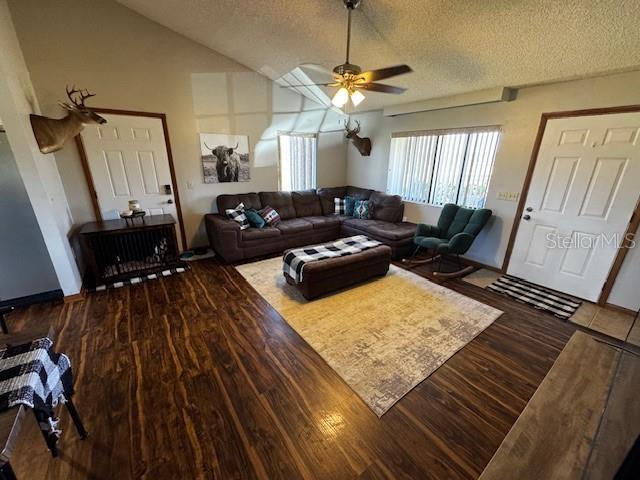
[583, 192]
[128, 160]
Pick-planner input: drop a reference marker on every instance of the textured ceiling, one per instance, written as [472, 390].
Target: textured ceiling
[454, 46]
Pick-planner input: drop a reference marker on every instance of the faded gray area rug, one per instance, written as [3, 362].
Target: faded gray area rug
[383, 337]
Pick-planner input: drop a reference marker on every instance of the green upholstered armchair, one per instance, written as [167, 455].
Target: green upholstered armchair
[457, 228]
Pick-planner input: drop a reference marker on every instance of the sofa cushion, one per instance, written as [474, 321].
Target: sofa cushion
[329, 221]
[393, 231]
[350, 205]
[359, 193]
[306, 203]
[270, 216]
[229, 201]
[238, 215]
[363, 210]
[280, 202]
[382, 229]
[387, 207]
[255, 220]
[327, 196]
[259, 233]
[293, 226]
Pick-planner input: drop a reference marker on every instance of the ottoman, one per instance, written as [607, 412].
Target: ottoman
[331, 274]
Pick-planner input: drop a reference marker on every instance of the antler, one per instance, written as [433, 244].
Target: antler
[208, 147]
[84, 94]
[347, 122]
[357, 129]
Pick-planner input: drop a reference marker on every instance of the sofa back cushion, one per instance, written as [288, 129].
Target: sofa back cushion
[358, 193]
[281, 202]
[306, 203]
[327, 196]
[229, 201]
[387, 207]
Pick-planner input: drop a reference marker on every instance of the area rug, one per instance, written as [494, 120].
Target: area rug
[383, 337]
[562, 306]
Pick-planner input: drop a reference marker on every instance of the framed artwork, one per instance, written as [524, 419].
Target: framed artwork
[225, 158]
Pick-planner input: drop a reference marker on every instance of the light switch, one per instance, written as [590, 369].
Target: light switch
[508, 196]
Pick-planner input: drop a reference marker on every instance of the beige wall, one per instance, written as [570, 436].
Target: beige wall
[519, 119]
[132, 63]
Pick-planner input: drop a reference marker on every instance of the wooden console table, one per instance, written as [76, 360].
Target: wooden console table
[119, 249]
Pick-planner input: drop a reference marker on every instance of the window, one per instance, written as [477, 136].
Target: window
[297, 161]
[444, 166]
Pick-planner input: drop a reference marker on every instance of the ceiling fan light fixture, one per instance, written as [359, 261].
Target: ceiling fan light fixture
[341, 97]
[357, 97]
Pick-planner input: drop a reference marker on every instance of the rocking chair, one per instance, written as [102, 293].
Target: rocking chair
[457, 228]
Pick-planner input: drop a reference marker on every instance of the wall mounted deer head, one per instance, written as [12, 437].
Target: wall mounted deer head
[363, 144]
[51, 133]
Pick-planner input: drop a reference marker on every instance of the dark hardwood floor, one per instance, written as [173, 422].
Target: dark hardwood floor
[196, 376]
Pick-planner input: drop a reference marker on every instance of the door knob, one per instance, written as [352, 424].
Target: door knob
[529, 209]
[170, 201]
[527, 217]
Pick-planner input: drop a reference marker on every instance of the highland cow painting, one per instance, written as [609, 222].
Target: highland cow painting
[225, 158]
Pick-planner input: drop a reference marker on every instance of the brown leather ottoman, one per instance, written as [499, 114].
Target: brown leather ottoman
[330, 274]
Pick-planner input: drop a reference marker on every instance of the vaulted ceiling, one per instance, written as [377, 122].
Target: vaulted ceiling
[454, 46]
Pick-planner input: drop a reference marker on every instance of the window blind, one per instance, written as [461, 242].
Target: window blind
[443, 166]
[297, 161]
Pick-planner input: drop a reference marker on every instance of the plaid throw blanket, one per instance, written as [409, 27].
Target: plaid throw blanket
[34, 375]
[295, 260]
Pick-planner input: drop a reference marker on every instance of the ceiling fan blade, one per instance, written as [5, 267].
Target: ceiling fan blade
[382, 73]
[380, 87]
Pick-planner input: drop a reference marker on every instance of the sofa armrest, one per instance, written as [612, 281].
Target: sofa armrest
[220, 222]
[424, 230]
[460, 243]
[224, 236]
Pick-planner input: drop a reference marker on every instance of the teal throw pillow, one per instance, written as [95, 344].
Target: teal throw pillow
[349, 205]
[363, 210]
[255, 220]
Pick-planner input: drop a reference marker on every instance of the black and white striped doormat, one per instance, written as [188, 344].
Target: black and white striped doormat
[144, 278]
[562, 306]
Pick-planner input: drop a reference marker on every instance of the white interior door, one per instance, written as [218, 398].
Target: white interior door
[582, 195]
[128, 160]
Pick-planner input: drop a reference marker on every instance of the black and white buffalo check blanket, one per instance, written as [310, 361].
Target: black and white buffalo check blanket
[295, 260]
[32, 374]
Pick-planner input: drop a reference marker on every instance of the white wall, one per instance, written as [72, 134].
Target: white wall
[519, 120]
[39, 172]
[132, 63]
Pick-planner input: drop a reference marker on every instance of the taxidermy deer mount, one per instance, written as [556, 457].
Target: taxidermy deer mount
[363, 144]
[52, 133]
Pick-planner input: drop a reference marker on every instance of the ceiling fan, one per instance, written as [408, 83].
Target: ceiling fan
[351, 79]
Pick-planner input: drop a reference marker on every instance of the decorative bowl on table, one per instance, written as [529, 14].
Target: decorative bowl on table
[127, 214]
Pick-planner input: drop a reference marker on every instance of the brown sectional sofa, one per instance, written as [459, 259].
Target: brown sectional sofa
[307, 218]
